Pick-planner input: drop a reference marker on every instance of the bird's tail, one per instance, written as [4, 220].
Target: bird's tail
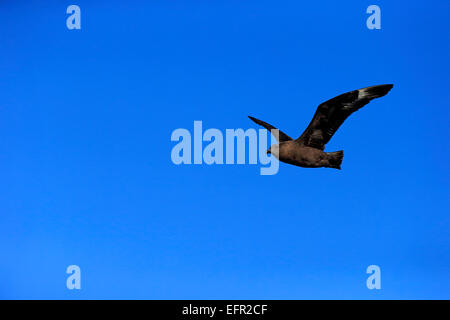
[335, 159]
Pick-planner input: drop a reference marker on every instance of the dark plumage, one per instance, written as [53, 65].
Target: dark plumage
[307, 150]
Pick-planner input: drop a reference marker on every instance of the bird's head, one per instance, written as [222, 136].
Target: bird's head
[274, 149]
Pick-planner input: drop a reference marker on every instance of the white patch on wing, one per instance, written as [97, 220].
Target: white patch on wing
[362, 93]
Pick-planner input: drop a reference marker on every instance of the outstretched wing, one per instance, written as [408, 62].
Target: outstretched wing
[281, 136]
[331, 114]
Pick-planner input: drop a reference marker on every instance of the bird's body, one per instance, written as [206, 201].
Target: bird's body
[300, 155]
[308, 150]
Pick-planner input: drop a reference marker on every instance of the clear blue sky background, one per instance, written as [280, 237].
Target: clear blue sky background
[85, 124]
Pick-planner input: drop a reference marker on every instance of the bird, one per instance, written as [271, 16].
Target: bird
[307, 151]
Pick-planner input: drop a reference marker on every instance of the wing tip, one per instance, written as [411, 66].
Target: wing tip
[375, 91]
[386, 88]
[253, 119]
[389, 86]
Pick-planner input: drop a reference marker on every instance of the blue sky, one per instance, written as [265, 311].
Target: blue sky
[85, 123]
